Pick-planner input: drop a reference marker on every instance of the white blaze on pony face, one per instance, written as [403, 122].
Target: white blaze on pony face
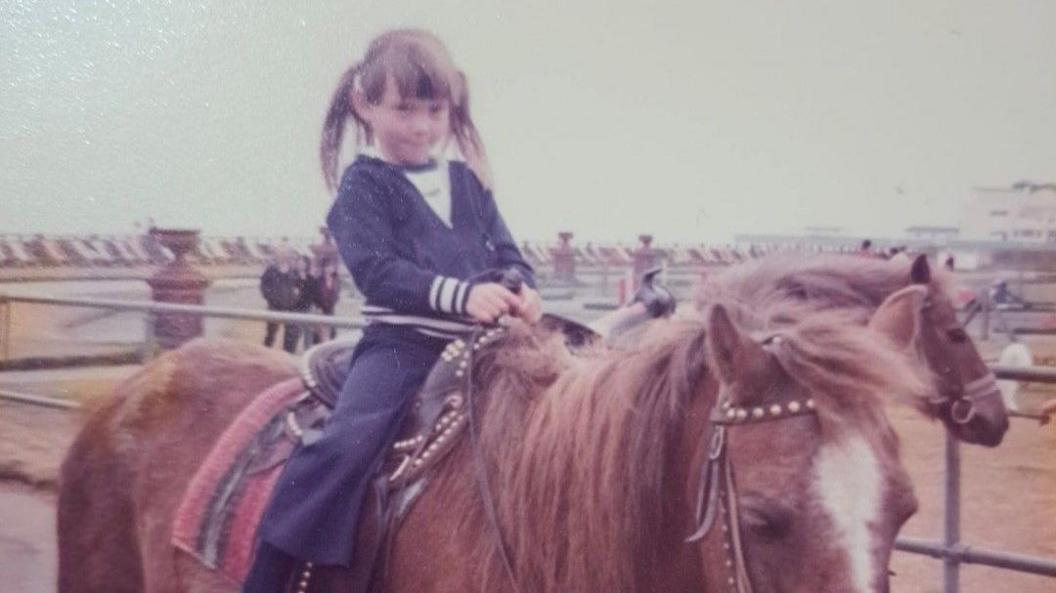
[849, 482]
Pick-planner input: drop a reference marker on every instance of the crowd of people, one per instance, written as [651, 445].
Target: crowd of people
[299, 284]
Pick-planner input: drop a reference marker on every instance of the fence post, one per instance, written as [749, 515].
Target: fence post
[952, 528]
[150, 339]
[987, 305]
[5, 329]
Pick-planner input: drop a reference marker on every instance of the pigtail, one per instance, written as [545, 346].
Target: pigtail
[334, 126]
[466, 135]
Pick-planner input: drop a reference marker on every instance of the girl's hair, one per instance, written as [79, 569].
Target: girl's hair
[421, 68]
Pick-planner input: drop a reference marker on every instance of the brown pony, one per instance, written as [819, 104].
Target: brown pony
[964, 395]
[594, 464]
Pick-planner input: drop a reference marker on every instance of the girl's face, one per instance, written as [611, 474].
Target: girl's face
[406, 130]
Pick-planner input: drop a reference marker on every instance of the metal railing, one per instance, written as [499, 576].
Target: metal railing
[951, 550]
[150, 309]
[991, 314]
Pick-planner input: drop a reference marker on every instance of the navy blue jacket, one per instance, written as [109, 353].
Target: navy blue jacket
[412, 268]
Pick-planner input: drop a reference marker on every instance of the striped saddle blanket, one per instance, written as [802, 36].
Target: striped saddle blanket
[217, 520]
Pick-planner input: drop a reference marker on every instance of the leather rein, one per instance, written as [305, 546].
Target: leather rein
[480, 337]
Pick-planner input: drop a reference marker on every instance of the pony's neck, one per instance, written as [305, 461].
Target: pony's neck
[601, 469]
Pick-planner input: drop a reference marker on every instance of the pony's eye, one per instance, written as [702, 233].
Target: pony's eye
[766, 519]
[957, 335]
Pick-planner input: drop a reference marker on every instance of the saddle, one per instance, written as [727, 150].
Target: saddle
[436, 411]
[658, 300]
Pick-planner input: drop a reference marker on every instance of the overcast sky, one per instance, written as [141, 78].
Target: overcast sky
[692, 121]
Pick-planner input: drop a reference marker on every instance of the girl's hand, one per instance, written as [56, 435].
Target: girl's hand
[487, 302]
[530, 309]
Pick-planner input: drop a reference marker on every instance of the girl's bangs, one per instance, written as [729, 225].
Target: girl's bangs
[420, 78]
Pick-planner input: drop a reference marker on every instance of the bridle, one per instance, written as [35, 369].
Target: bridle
[963, 405]
[962, 409]
[717, 493]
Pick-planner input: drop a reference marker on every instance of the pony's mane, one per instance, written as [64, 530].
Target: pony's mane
[589, 436]
[850, 370]
[823, 281]
[577, 448]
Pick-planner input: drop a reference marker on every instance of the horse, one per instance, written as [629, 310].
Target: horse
[965, 395]
[601, 467]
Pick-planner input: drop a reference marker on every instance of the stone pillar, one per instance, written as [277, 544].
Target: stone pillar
[645, 259]
[177, 282]
[565, 259]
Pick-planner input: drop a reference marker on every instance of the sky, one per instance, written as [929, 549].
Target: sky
[691, 121]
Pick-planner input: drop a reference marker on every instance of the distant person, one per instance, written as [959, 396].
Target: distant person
[1000, 293]
[280, 289]
[900, 253]
[327, 293]
[949, 263]
[305, 284]
[866, 249]
[320, 291]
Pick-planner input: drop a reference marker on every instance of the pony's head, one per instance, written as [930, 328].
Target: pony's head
[964, 394]
[800, 474]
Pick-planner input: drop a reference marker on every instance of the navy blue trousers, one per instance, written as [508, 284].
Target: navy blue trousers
[313, 513]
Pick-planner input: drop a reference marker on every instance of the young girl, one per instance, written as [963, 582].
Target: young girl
[413, 230]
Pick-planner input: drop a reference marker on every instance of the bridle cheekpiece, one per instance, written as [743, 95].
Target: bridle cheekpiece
[717, 493]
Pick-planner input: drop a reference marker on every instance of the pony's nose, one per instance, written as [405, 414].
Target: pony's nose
[988, 424]
[996, 432]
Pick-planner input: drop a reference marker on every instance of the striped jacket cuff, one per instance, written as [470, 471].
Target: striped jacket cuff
[449, 295]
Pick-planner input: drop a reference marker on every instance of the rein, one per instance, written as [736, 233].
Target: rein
[478, 338]
[717, 493]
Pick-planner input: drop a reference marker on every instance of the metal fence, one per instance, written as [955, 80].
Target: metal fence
[951, 550]
[150, 309]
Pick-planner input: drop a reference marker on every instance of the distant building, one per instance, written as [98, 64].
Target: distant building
[1022, 213]
[936, 235]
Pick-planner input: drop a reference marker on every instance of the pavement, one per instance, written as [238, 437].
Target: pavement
[28, 563]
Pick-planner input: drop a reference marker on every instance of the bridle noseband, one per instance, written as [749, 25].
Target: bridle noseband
[717, 493]
[963, 405]
[962, 409]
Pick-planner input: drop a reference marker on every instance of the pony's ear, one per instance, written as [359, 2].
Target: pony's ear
[920, 273]
[898, 317]
[730, 351]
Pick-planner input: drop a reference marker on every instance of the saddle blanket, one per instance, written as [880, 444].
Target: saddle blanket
[218, 517]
